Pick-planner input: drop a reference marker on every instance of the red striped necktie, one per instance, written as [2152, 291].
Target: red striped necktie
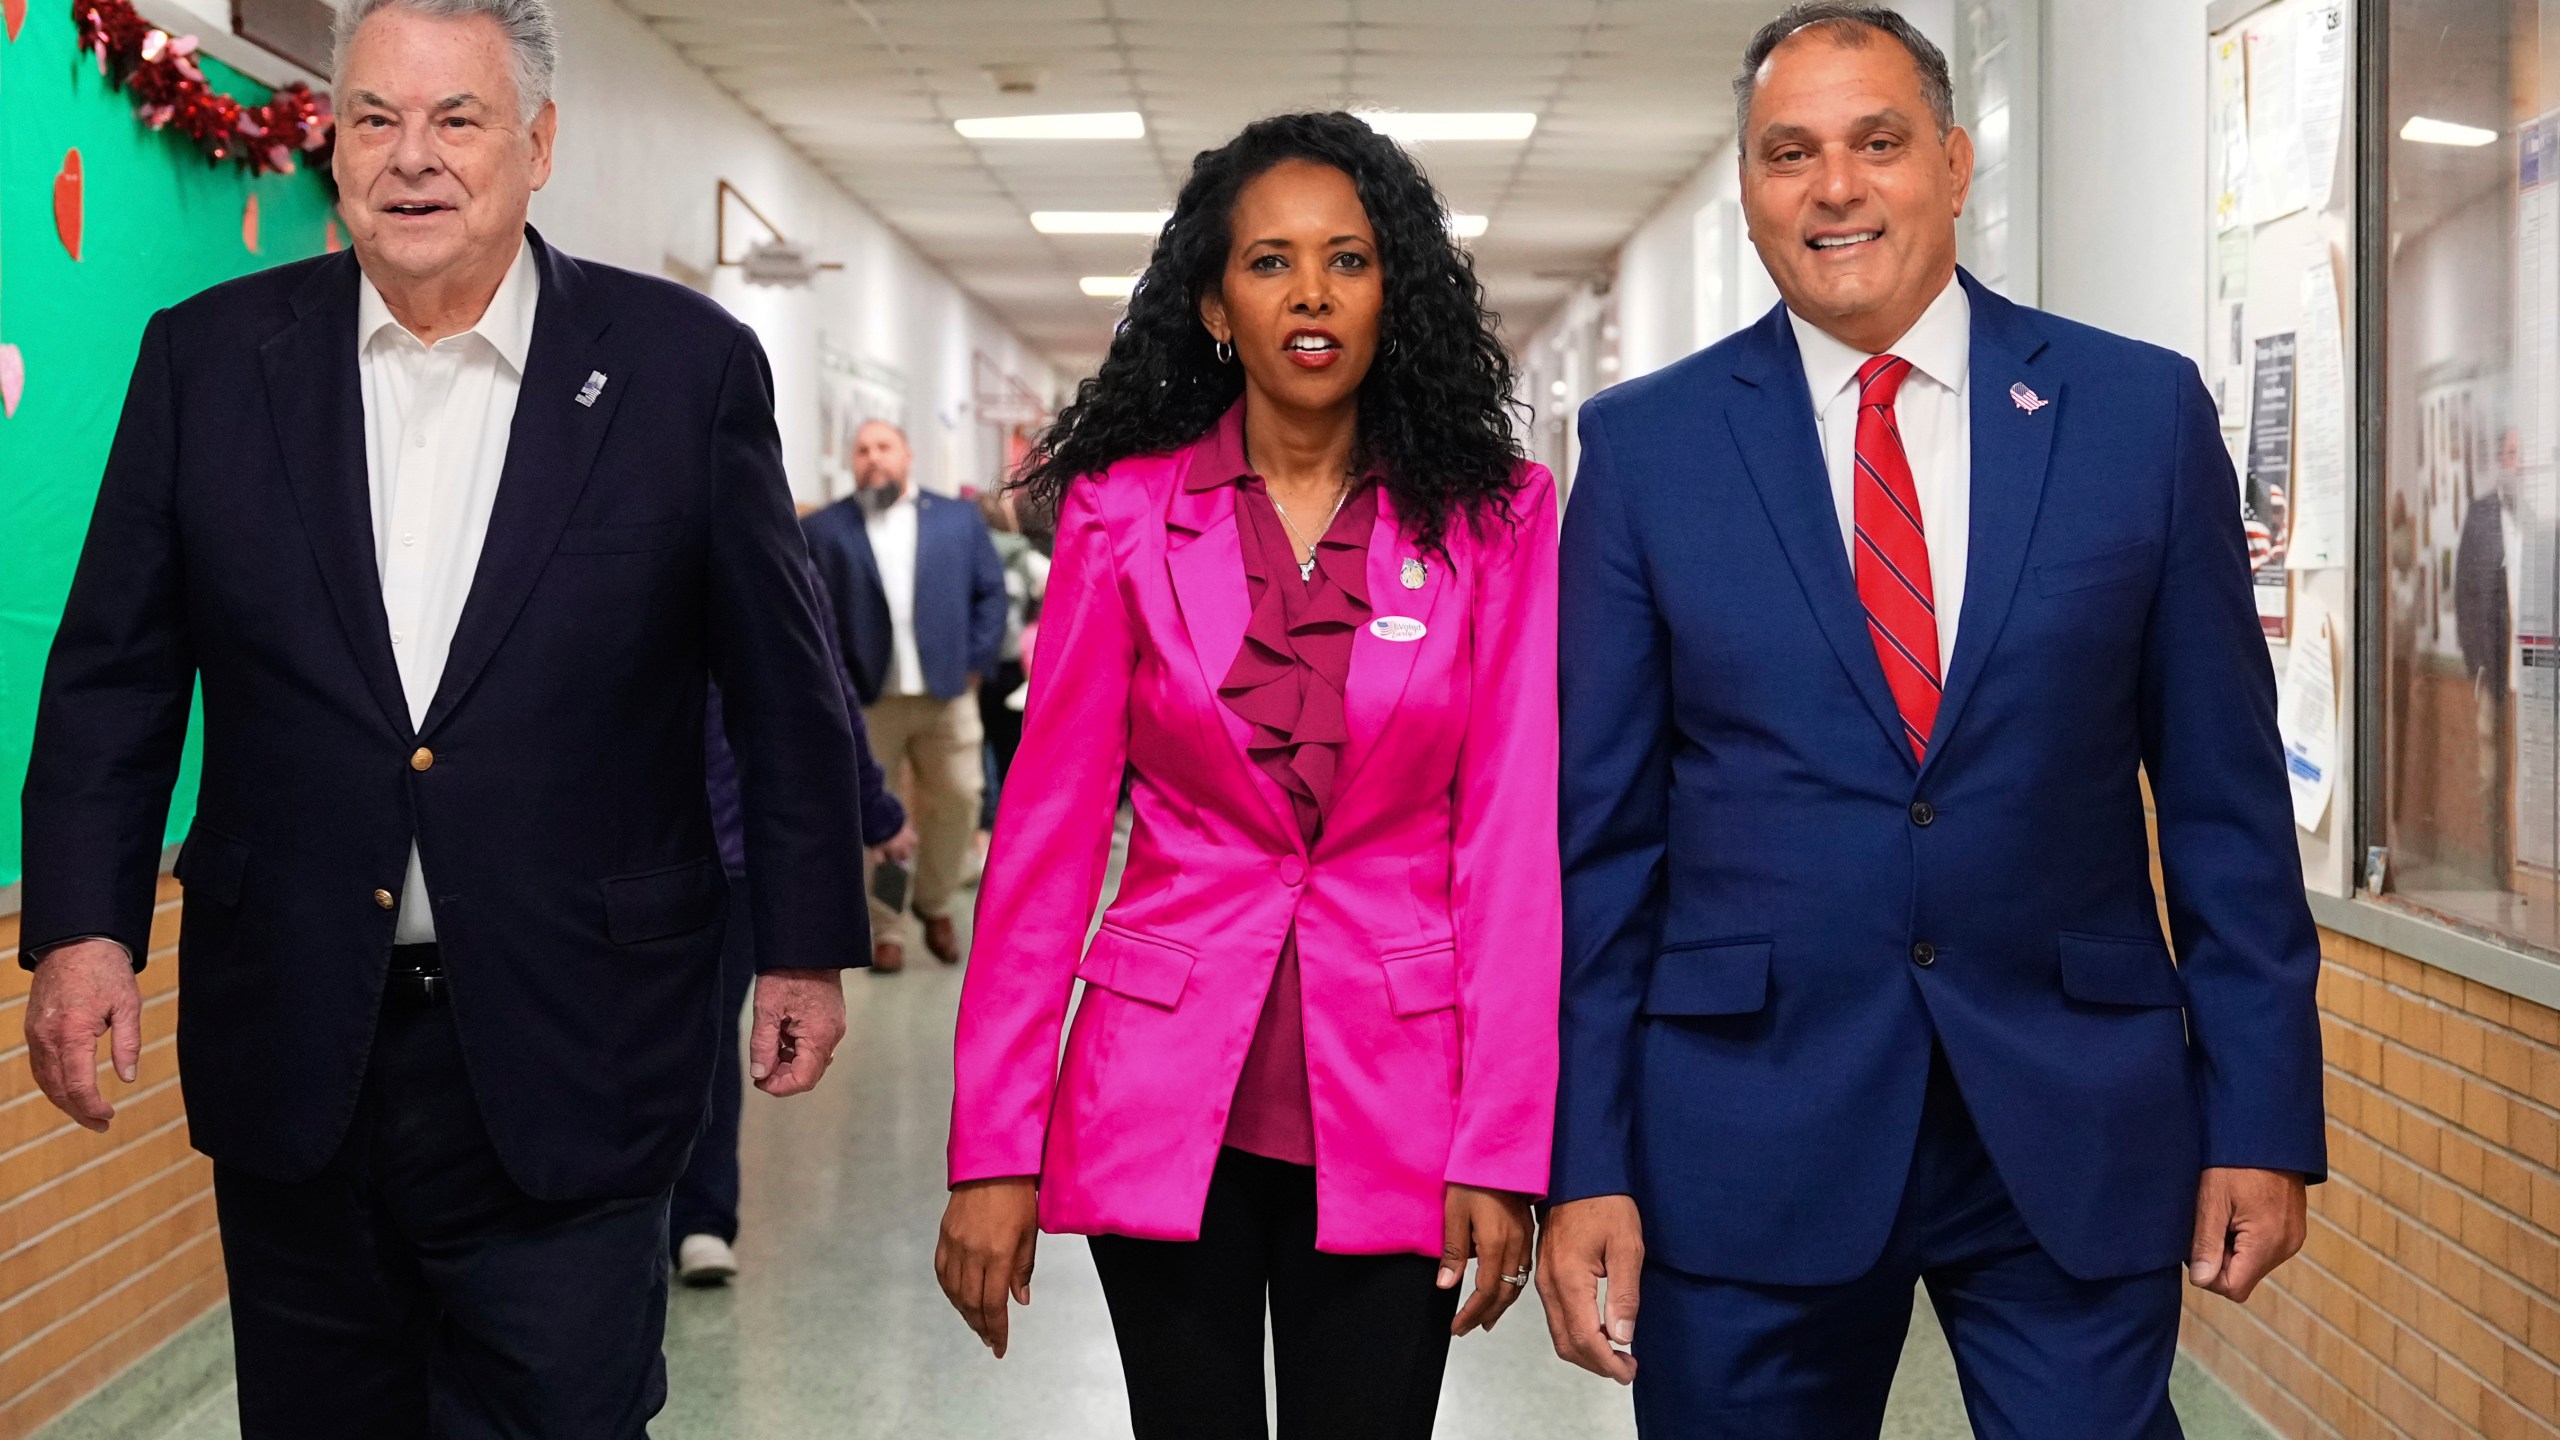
[1893, 555]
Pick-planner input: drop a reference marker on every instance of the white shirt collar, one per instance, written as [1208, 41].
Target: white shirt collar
[1939, 345]
[507, 325]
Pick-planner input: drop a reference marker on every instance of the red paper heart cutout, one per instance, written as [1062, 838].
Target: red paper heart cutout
[15, 13]
[66, 203]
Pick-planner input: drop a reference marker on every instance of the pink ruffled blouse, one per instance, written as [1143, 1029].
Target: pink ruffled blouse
[1287, 683]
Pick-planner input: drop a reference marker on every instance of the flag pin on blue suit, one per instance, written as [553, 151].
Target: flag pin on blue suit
[2027, 399]
[588, 392]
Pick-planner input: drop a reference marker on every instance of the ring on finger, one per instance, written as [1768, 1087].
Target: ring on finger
[1516, 1277]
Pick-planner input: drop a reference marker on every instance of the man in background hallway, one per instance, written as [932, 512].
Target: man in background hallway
[919, 608]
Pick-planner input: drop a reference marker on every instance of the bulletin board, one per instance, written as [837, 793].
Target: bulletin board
[2280, 360]
[154, 224]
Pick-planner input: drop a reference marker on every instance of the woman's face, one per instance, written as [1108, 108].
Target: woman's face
[1302, 290]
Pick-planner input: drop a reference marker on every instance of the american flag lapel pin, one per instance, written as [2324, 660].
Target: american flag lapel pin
[2026, 399]
[588, 392]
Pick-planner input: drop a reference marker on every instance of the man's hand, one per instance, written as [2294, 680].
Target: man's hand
[990, 1235]
[799, 1019]
[1585, 1242]
[900, 847]
[81, 991]
[2248, 1222]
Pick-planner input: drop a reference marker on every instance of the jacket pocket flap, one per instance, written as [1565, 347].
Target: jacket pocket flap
[1421, 981]
[620, 539]
[212, 866]
[1126, 963]
[1716, 977]
[656, 904]
[2126, 562]
[2104, 970]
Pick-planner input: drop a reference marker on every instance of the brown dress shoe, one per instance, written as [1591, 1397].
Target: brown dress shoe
[942, 939]
[888, 957]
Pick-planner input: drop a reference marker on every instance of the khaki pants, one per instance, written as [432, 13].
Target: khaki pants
[931, 749]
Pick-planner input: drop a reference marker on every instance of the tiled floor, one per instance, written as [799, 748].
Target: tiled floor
[836, 1329]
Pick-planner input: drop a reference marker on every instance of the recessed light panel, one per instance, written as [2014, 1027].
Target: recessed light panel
[1109, 287]
[1414, 125]
[1104, 125]
[1099, 222]
[2444, 132]
[1468, 227]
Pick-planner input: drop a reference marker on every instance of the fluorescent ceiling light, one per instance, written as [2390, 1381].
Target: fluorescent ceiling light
[2445, 132]
[1099, 222]
[1107, 125]
[1453, 125]
[1108, 287]
[1468, 227]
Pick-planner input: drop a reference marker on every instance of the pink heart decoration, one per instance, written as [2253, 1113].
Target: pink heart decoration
[249, 223]
[14, 13]
[67, 203]
[13, 380]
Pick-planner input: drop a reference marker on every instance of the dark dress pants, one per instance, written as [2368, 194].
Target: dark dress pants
[706, 1198]
[1358, 1341]
[412, 1290]
[2040, 1355]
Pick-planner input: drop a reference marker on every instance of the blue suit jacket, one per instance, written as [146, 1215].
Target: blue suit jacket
[640, 545]
[960, 604]
[1753, 858]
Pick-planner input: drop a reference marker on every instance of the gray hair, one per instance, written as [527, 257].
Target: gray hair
[1852, 23]
[533, 38]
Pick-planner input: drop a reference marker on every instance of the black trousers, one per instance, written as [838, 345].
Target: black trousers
[1358, 1341]
[706, 1198]
[411, 1290]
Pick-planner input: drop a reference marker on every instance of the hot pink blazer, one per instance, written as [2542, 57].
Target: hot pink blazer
[1428, 914]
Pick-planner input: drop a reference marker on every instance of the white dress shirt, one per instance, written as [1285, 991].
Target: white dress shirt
[436, 422]
[893, 548]
[1937, 437]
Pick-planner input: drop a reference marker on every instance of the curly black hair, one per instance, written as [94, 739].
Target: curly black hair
[1436, 406]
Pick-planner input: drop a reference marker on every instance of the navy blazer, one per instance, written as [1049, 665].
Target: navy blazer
[1773, 912]
[960, 604]
[640, 545]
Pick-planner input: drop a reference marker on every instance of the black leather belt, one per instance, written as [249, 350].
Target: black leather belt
[417, 977]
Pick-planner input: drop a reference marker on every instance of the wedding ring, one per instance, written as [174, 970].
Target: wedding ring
[1516, 1277]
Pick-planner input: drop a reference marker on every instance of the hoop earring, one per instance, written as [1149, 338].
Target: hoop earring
[1226, 353]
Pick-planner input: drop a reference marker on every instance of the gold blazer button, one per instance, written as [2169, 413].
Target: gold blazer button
[423, 761]
[384, 899]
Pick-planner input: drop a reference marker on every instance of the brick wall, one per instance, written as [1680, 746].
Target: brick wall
[106, 1241]
[2427, 1301]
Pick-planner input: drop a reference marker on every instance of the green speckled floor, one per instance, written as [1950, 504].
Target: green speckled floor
[836, 1331]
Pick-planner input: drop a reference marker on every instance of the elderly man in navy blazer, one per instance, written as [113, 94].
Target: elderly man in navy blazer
[920, 614]
[1875, 616]
[452, 530]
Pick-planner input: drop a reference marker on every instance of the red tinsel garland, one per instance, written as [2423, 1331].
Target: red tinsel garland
[170, 89]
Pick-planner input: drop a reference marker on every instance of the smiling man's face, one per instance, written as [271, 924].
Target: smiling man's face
[436, 164]
[1851, 193]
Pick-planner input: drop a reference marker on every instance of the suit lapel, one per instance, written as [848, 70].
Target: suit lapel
[2012, 448]
[1381, 669]
[317, 401]
[1204, 557]
[550, 450]
[1774, 425]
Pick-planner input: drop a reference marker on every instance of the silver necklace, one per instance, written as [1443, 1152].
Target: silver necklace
[1307, 567]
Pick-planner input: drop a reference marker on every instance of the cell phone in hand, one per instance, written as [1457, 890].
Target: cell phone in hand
[889, 882]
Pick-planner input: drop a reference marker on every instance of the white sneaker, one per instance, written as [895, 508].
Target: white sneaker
[703, 1261]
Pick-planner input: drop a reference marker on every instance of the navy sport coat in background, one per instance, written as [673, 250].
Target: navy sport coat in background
[960, 604]
[1773, 912]
[640, 545]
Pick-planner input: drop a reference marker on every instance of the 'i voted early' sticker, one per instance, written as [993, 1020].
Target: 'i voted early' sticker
[1398, 627]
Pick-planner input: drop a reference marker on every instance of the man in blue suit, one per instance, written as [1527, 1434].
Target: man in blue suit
[1875, 617]
[920, 616]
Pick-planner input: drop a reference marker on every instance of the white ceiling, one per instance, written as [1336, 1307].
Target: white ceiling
[1632, 97]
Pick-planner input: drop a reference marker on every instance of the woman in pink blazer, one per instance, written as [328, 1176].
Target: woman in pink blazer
[1304, 600]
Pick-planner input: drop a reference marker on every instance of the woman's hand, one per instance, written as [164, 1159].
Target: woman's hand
[989, 1231]
[1492, 1228]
